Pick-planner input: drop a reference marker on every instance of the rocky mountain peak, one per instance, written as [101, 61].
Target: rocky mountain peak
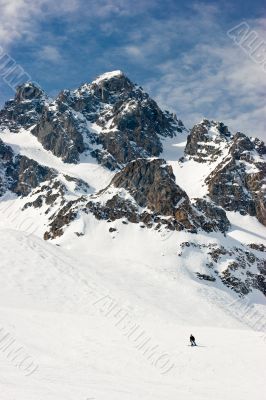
[238, 181]
[107, 88]
[241, 147]
[25, 110]
[29, 91]
[112, 119]
[117, 74]
[112, 82]
[124, 129]
[159, 191]
[207, 140]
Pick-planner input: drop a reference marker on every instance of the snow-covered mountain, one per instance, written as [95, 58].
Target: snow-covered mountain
[105, 195]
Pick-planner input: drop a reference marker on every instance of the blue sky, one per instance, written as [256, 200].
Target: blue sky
[178, 51]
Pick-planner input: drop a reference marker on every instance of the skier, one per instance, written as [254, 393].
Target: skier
[192, 340]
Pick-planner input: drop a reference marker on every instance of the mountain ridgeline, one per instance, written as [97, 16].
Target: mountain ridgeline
[114, 124]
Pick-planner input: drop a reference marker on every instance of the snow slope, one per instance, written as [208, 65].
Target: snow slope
[26, 144]
[64, 302]
[55, 305]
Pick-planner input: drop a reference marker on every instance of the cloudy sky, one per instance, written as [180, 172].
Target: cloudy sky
[178, 51]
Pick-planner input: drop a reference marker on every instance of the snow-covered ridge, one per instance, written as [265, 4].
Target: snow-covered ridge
[87, 134]
[108, 75]
[139, 253]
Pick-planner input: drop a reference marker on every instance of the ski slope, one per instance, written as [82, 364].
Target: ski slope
[52, 304]
[64, 301]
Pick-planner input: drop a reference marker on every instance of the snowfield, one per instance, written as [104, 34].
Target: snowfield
[68, 313]
[108, 315]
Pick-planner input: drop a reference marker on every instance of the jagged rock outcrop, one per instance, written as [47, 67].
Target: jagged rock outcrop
[238, 182]
[111, 119]
[54, 193]
[215, 217]
[238, 269]
[25, 110]
[6, 158]
[145, 191]
[114, 121]
[259, 247]
[207, 140]
[152, 185]
[20, 174]
[25, 174]
[129, 124]
[60, 131]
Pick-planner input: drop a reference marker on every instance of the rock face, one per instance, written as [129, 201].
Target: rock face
[20, 174]
[25, 110]
[26, 174]
[237, 268]
[238, 182]
[151, 184]
[237, 179]
[60, 131]
[145, 191]
[124, 122]
[6, 159]
[111, 119]
[114, 121]
[207, 141]
[215, 217]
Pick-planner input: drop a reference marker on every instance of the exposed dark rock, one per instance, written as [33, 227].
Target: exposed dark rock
[19, 173]
[26, 174]
[28, 92]
[258, 247]
[130, 122]
[238, 269]
[135, 129]
[206, 141]
[206, 277]
[237, 183]
[26, 108]
[36, 203]
[59, 131]
[151, 184]
[53, 194]
[105, 159]
[110, 89]
[156, 201]
[63, 218]
[115, 208]
[259, 146]
[217, 252]
[6, 153]
[214, 217]
[79, 184]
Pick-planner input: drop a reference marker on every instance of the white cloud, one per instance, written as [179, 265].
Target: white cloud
[107, 8]
[227, 85]
[50, 53]
[15, 20]
[203, 72]
[19, 19]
